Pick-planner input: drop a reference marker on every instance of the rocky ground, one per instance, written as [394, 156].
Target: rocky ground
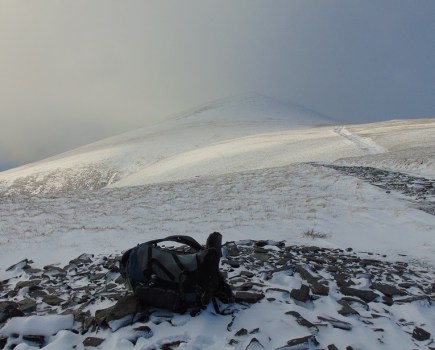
[418, 189]
[321, 298]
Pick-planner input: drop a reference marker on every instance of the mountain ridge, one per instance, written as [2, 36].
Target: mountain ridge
[226, 136]
[124, 154]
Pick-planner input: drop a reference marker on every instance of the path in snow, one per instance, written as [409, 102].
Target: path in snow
[363, 143]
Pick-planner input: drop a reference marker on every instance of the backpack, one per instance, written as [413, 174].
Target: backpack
[175, 279]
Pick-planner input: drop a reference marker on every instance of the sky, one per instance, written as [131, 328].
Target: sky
[74, 72]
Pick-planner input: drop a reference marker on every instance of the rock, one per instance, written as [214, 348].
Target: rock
[36, 292]
[94, 283]
[233, 342]
[81, 260]
[302, 343]
[283, 261]
[302, 294]
[38, 340]
[96, 277]
[92, 341]
[343, 280]
[27, 305]
[387, 289]
[161, 316]
[332, 268]
[261, 250]
[20, 265]
[3, 341]
[346, 309]
[126, 306]
[120, 280]
[351, 300]
[52, 300]
[263, 257]
[306, 275]
[366, 295]
[302, 321]
[241, 332]
[387, 300]
[311, 249]
[374, 262]
[172, 345]
[261, 243]
[54, 271]
[232, 263]
[247, 274]
[232, 249]
[9, 309]
[29, 283]
[412, 299]
[420, 334]
[248, 297]
[144, 332]
[336, 323]
[243, 287]
[235, 281]
[254, 344]
[319, 288]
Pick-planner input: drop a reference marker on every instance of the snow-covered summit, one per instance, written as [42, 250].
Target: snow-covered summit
[108, 161]
[254, 108]
[227, 136]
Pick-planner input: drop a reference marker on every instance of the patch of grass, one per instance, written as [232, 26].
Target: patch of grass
[314, 234]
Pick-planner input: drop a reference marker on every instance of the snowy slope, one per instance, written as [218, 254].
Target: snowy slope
[410, 145]
[142, 151]
[236, 134]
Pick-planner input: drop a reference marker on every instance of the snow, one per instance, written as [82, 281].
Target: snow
[40, 325]
[276, 203]
[110, 160]
[240, 167]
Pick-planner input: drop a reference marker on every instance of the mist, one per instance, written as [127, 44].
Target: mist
[75, 72]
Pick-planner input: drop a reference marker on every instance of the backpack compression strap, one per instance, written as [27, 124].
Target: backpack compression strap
[179, 239]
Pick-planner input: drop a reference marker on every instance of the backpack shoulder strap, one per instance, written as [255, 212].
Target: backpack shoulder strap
[187, 240]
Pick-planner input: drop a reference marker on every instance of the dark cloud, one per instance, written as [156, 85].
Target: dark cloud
[75, 72]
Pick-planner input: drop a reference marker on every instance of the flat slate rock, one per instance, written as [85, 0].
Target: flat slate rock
[307, 341]
[366, 295]
[420, 334]
[302, 294]
[93, 341]
[248, 297]
[387, 289]
[336, 323]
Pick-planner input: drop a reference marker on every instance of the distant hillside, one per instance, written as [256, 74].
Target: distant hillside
[226, 136]
[108, 161]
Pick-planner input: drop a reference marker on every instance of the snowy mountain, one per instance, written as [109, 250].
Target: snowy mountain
[227, 136]
[162, 152]
[300, 201]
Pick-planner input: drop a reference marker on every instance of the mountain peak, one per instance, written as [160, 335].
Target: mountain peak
[253, 107]
[225, 135]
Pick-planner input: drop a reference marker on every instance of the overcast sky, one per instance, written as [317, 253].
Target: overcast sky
[73, 72]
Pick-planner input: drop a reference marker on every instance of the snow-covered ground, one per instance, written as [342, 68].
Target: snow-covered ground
[276, 203]
[248, 178]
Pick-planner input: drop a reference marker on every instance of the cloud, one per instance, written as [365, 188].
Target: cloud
[75, 72]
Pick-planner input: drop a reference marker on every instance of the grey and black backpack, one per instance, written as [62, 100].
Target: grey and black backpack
[176, 279]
